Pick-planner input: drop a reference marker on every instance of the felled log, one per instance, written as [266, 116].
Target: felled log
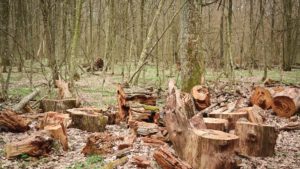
[115, 164]
[33, 117]
[216, 124]
[232, 117]
[201, 148]
[88, 120]
[201, 97]
[140, 162]
[27, 109]
[141, 112]
[59, 133]
[99, 143]
[13, 122]
[59, 106]
[254, 114]
[293, 126]
[256, 140]
[286, 102]
[143, 128]
[25, 100]
[127, 141]
[141, 95]
[262, 98]
[97, 65]
[167, 159]
[38, 144]
[64, 89]
[54, 118]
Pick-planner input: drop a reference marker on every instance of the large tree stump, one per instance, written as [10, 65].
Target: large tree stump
[256, 140]
[141, 95]
[64, 89]
[216, 124]
[38, 144]
[262, 98]
[88, 120]
[167, 159]
[286, 102]
[99, 143]
[59, 106]
[201, 97]
[13, 122]
[232, 117]
[201, 148]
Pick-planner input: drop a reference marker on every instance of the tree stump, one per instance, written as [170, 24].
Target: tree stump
[38, 144]
[286, 102]
[262, 98]
[58, 133]
[167, 159]
[59, 106]
[216, 124]
[201, 97]
[141, 95]
[54, 118]
[254, 114]
[201, 148]
[13, 122]
[256, 139]
[232, 117]
[64, 89]
[88, 120]
[99, 143]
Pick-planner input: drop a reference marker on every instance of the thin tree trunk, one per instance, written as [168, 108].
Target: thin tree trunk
[221, 37]
[263, 41]
[272, 34]
[250, 59]
[125, 43]
[242, 44]
[5, 23]
[230, 59]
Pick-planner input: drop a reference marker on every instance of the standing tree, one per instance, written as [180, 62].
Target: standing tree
[263, 40]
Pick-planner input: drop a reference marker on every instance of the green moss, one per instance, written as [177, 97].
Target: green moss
[152, 108]
[113, 164]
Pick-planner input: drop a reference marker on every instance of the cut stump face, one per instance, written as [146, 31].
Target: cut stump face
[262, 98]
[283, 106]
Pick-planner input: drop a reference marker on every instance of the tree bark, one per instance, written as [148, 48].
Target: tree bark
[13, 122]
[64, 89]
[59, 106]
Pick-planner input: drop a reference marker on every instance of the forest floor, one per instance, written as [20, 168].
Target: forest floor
[88, 89]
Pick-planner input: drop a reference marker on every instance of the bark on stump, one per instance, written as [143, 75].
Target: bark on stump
[59, 106]
[88, 120]
[201, 97]
[141, 95]
[216, 124]
[256, 140]
[287, 102]
[38, 144]
[64, 89]
[99, 143]
[262, 98]
[201, 148]
[13, 122]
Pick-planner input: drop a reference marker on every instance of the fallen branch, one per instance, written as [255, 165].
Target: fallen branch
[25, 100]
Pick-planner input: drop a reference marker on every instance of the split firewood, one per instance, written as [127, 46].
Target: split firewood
[64, 89]
[88, 120]
[140, 162]
[262, 98]
[38, 144]
[141, 112]
[216, 124]
[33, 117]
[232, 117]
[153, 142]
[254, 114]
[201, 97]
[286, 102]
[198, 147]
[54, 118]
[167, 159]
[256, 139]
[13, 122]
[59, 106]
[58, 133]
[99, 143]
[25, 100]
[143, 128]
[141, 95]
[115, 164]
[127, 141]
[293, 126]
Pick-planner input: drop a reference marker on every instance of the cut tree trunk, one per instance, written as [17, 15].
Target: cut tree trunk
[54, 118]
[287, 102]
[167, 159]
[232, 117]
[143, 128]
[64, 89]
[58, 133]
[201, 97]
[262, 98]
[88, 120]
[141, 95]
[141, 112]
[59, 106]
[140, 162]
[201, 148]
[99, 143]
[25, 100]
[13, 122]
[256, 139]
[216, 124]
[38, 144]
